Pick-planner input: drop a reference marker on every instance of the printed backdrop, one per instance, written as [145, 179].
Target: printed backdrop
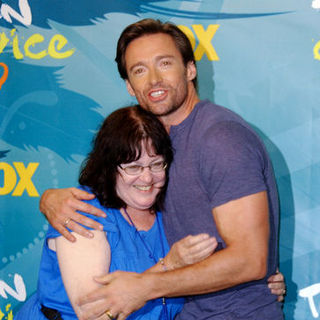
[59, 80]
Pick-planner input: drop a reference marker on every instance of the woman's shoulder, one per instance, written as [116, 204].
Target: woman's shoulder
[110, 212]
[109, 223]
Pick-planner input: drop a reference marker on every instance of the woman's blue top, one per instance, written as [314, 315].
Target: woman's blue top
[128, 253]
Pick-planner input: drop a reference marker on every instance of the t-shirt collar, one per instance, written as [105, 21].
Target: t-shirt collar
[187, 121]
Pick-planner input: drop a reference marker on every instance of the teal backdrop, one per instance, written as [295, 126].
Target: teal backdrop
[59, 80]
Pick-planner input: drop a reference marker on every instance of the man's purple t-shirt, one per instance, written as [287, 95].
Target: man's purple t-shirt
[219, 158]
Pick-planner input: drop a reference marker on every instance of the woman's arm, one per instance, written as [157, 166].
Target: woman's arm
[79, 262]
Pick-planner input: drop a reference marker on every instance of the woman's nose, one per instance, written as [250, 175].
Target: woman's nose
[146, 175]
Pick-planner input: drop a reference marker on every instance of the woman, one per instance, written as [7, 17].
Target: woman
[127, 171]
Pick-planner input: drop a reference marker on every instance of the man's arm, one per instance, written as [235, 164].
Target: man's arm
[61, 205]
[244, 226]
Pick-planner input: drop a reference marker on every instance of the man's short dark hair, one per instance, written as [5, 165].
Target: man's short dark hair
[118, 141]
[148, 27]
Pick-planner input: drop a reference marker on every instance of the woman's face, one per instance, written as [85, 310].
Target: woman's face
[140, 191]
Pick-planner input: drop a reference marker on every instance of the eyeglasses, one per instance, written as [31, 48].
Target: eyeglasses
[134, 170]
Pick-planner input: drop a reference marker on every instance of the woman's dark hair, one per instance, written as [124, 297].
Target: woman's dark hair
[118, 141]
[148, 27]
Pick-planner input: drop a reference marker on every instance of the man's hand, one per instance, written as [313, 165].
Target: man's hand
[60, 206]
[277, 285]
[122, 293]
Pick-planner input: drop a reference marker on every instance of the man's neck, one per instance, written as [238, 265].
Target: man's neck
[183, 112]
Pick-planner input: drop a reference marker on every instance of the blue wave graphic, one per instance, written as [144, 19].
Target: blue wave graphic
[41, 113]
[75, 13]
[3, 153]
[205, 15]
[81, 12]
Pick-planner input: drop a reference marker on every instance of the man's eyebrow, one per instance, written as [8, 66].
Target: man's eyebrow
[170, 56]
[140, 63]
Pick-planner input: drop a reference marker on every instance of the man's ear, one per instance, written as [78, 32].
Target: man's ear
[129, 88]
[191, 70]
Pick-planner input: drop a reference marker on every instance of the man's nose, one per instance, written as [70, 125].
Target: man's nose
[154, 76]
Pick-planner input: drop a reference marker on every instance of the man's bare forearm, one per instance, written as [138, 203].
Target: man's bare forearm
[243, 224]
[218, 272]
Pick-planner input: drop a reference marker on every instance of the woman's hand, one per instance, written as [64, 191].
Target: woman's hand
[60, 208]
[190, 250]
[277, 285]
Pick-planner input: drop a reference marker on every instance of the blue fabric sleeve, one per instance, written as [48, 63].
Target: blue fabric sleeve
[109, 223]
[232, 163]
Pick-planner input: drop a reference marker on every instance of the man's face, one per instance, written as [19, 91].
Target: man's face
[157, 76]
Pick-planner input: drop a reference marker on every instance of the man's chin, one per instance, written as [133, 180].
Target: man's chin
[161, 110]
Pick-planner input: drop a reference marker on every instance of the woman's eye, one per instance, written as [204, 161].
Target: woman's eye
[157, 164]
[133, 167]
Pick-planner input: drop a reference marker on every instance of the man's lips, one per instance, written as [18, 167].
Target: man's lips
[157, 95]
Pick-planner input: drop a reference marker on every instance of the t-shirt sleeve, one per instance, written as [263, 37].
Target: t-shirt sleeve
[232, 162]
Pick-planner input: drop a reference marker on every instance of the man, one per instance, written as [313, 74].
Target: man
[221, 182]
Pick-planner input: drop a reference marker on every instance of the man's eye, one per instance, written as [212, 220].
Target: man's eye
[138, 71]
[166, 63]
